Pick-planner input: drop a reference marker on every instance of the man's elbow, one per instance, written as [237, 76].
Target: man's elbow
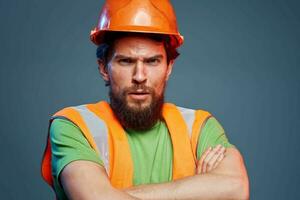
[241, 188]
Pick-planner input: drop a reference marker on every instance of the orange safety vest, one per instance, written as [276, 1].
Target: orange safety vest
[105, 134]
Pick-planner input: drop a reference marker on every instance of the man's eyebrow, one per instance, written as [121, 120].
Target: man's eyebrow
[158, 56]
[121, 56]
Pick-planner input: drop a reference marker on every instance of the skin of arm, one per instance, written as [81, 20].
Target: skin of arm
[88, 180]
[229, 180]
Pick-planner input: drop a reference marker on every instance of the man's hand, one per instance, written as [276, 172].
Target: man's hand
[210, 159]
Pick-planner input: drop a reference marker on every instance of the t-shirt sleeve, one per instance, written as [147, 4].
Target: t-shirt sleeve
[68, 144]
[211, 134]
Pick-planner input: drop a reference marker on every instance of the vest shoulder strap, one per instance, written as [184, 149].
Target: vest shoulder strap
[201, 117]
[98, 131]
[93, 129]
[120, 161]
[195, 120]
[183, 161]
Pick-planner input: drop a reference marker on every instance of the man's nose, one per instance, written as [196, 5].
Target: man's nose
[139, 74]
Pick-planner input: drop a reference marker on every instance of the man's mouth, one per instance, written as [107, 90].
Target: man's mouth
[139, 95]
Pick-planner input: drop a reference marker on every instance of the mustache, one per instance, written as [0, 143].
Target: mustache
[138, 89]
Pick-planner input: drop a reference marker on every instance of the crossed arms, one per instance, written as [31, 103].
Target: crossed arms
[217, 177]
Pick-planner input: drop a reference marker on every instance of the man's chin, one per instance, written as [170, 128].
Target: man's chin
[138, 105]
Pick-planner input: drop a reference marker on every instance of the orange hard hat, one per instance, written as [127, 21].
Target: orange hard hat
[141, 16]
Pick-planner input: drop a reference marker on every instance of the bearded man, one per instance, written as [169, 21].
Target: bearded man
[137, 146]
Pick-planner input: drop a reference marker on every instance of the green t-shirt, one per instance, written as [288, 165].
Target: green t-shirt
[151, 150]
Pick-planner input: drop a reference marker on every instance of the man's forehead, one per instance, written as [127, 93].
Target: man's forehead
[124, 56]
[138, 45]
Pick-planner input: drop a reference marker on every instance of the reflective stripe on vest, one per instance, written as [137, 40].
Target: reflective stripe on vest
[189, 118]
[99, 131]
[97, 123]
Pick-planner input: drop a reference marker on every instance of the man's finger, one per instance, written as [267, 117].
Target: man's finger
[220, 158]
[206, 163]
[213, 160]
[199, 164]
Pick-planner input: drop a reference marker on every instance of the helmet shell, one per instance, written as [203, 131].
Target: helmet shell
[140, 16]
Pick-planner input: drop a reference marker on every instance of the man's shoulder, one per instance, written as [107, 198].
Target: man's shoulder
[188, 110]
[78, 107]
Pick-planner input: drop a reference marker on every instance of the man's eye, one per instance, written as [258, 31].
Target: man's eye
[153, 61]
[125, 61]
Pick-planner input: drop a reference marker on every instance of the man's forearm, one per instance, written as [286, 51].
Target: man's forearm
[228, 181]
[205, 186]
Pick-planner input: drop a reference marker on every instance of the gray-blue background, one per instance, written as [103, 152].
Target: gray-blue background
[240, 61]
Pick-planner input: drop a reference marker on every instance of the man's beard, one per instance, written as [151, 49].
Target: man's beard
[139, 117]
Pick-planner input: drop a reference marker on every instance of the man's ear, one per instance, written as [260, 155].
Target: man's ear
[103, 70]
[170, 68]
